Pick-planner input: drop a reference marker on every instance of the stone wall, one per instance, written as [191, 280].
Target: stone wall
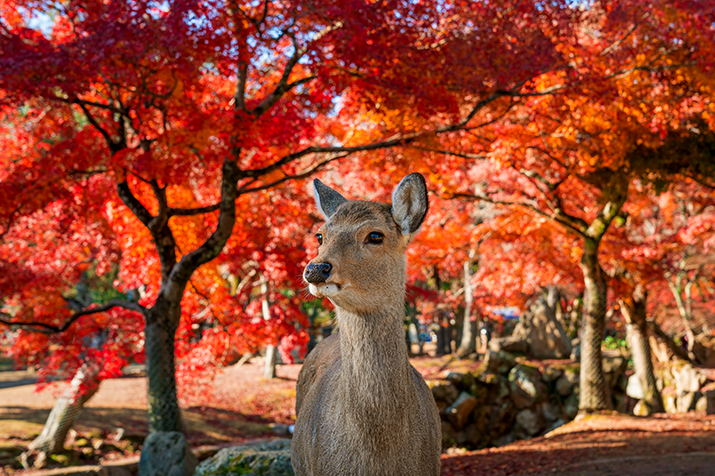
[508, 400]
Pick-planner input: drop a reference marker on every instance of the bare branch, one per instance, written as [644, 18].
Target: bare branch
[463, 155]
[283, 86]
[573, 224]
[133, 203]
[110, 143]
[193, 211]
[180, 274]
[304, 174]
[42, 327]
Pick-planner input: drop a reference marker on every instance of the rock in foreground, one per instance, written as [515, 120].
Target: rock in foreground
[267, 458]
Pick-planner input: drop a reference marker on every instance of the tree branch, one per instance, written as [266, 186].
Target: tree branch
[211, 248]
[51, 329]
[574, 224]
[304, 174]
[193, 211]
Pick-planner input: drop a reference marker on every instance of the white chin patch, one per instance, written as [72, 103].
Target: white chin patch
[323, 290]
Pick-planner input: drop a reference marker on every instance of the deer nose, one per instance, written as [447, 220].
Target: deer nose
[317, 273]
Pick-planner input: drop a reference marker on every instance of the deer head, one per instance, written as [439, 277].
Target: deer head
[361, 258]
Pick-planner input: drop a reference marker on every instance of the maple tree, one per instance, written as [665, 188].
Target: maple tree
[162, 137]
[633, 82]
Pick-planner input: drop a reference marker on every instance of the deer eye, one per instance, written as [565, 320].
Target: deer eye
[320, 238]
[375, 238]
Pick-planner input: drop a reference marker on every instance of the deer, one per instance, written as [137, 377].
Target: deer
[361, 408]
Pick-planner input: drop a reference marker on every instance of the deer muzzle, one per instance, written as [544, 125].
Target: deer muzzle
[317, 273]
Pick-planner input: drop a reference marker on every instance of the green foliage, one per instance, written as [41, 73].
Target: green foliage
[612, 343]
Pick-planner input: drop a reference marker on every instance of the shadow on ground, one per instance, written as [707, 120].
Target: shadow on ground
[602, 445]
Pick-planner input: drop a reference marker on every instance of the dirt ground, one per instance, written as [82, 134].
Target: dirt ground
[243, 406]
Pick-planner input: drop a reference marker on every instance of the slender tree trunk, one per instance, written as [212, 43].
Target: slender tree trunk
[66, 409]
[594, 393]
[469, 330]
[634, 313]
[685, 312]
[161, 324]
[269, 370]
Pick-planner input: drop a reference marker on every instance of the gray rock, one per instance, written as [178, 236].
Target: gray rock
[463, 381]
[687, 379]
[271, 458]
[571, 406]
[166, 453]
[551, 374]
[551, 412]
[543, 332]
[634, 389]
[565, 384]
[576, 353]
[512, 344]
[641, 409]
[702, 404]
[613, 368]
[526, 385]
[499, 362]
[458, 412]
[449, 435]
[529, 422]
[669, 401]
[443, 390]
[685, 401]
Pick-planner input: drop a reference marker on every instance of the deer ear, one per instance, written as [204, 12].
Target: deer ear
[327, 199]
[410, 203]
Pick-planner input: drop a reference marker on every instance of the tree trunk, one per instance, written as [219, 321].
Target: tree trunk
[634, 313]
[469, 329]
[161, 325]
[594, 394]
[66, 409]
[441, 334]
[269, 370]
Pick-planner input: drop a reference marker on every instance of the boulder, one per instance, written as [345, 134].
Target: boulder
[449, 435]
[702, 404]
[687, 379]
[685, 401]
[543, 332]
[634, 389]
[463, 381]
[512, 344]
[270, 458]
[528, 421]
[571, 406]
[458, 412]
[471, 435]
[669, 402]
[166, 453]
[642, 409]
[551, 374]
[443, 390]
[499, 362]
[526, 385]
[613, 368]
[497, 387]
[502, 421]
[576, 350]
[565, 384]
[550, 412]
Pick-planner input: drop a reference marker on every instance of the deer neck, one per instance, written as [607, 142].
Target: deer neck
[376, 373]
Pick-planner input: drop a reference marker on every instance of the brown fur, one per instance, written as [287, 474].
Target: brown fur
[362, 409]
